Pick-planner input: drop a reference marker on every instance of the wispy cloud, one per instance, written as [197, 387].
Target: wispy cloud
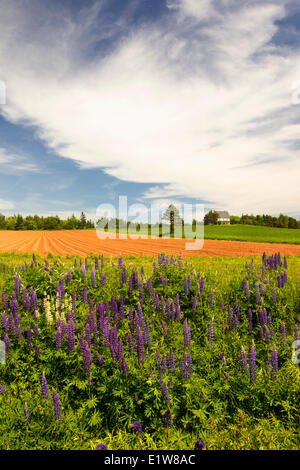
[6, 205]
[15, 163]
[188, 103]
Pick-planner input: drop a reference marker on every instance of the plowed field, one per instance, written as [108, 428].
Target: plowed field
[84, 242]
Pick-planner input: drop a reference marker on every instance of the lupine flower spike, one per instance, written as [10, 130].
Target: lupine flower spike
[101, 447]
[137, 427]
[200, 445]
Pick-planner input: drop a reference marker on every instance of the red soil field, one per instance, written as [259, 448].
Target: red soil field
[85, 242]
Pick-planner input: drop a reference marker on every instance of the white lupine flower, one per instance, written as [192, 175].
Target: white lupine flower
[48, 314]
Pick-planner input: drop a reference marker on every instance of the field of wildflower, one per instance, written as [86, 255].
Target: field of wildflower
[141, 353]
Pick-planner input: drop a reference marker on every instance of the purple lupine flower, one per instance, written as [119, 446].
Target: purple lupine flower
[222, 306]
[101, 447]
[137, 427]
[296, 333]
[158, 360]
[252, 363]
[285, 263]
[163, 305]
[194, 307]
[147, 336]
[71, 335]
[44, 387]
[222, 359]
[230, 318]
[141, 292]
[262, 316]
[123, 365]
[100, 359]
[283, 333]
[93, 277]
[83, 270]
[164, 325]
[58, 338]
[87, 361]
[19, 332]
[130, 287]
[120, 350]
[84, 294]
[2, 390]
[164, 366]
[88, 334]
[26, 413]
[140, 346]
[186, 365]
[186, 287]
[279, 281]
[74, 302]
[167, 419]
[261, 333]
[4, 301]
[257, 293]
[201, 284]
[243, 361]
[250, 325]
[284, 277]
[37, 351]
[165, 392]
[35, 331]
[177, 308]
[211, 299]
[56, 405]
[200, 445]
[247, 290]
[211, 333]
[186, 334]
[180, 261]
[171, 362]
[274, 363]
[121, 308]
[227, 376]
[267, 335]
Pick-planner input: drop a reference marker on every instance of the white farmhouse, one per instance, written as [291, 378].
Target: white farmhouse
[223, 217]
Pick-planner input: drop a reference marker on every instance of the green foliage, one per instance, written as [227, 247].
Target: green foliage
[225, 414]
[36, 222]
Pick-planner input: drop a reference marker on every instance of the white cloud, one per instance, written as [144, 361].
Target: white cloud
[199, 104]
[6, 205]
[14, 162]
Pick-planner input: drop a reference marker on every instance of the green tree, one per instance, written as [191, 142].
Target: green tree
[2, 222]
[211, 218]
[173, 216]
[82, 224]
[19, 223]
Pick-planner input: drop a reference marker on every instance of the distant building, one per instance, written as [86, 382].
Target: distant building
[223, 217]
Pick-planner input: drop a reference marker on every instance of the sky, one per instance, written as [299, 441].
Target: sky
[182, 101]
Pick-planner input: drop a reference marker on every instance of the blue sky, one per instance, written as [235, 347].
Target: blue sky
[159, 100]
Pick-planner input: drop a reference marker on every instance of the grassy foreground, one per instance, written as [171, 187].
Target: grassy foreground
[176, 348]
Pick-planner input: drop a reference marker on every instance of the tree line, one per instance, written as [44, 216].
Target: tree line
[283, 221]
[36, 222]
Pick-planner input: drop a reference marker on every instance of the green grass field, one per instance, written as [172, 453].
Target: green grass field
[250, 233]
